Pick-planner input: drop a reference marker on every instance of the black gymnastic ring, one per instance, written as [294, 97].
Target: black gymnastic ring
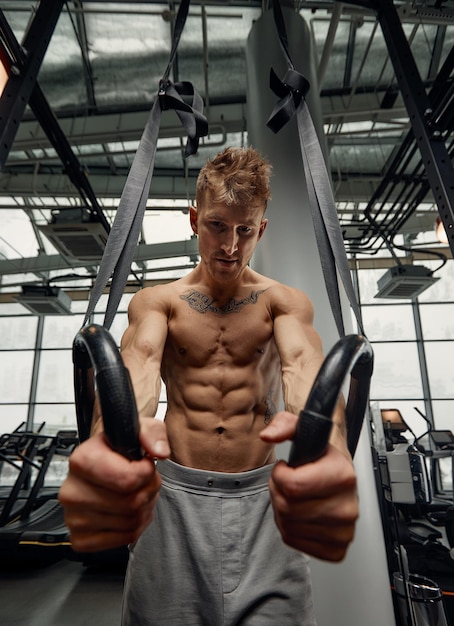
[351, 354]
[98, 366]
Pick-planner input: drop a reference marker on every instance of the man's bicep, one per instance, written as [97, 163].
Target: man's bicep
[142, 348]
[145, 337]
[300, 351]
[148, 321]
[296, 338]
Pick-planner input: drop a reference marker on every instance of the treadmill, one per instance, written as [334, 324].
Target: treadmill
[37, 531]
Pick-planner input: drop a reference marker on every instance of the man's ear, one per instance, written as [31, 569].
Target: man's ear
[262, 227]
[193, 220]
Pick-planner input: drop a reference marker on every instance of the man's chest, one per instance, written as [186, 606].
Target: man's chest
[200, 335]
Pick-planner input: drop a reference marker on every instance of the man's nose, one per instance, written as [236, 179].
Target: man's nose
[230, 242]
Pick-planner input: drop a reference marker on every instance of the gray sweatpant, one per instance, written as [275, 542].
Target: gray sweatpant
[213, 556]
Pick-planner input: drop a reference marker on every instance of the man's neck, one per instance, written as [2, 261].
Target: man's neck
[220, 291]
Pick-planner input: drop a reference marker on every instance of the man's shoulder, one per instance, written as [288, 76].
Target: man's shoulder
[275, 289]
[156, 297]
[284, 298]
[278, 289]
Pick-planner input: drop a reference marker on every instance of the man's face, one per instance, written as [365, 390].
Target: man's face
[228, 236]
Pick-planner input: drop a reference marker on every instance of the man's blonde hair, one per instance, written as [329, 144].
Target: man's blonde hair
[235, 176]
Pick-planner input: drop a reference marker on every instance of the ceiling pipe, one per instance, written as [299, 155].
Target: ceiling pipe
[205, 60]
[329, 43]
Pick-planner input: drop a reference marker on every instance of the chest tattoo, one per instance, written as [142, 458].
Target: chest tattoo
[203, 303]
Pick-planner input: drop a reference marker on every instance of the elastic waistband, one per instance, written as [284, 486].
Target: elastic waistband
[203, 480]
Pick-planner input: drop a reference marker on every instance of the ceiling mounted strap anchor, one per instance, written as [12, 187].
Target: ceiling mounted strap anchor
[191, 115]
[291, 91]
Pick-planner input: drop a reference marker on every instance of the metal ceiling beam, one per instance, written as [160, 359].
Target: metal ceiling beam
[357, 187]
[145, 252]
[23, 72]
[351, 45]
[71, 166]
[229, 118]
[27, 59]
[104, 185]
[329, 42]
[78, 295]
[81, 34]
[165, 186]
[434, 154]
[437, 52]
[125, 126]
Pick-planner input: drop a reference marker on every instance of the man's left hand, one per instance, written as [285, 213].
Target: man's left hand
[315, 505]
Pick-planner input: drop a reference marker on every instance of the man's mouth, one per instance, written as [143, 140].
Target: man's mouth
[226, 261]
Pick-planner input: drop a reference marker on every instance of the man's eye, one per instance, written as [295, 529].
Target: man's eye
[245, 230]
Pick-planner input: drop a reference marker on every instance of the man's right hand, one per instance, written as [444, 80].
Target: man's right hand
[109, 500]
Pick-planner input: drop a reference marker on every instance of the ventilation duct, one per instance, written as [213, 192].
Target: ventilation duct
[81, 239]
[45, 300]
[404, 281]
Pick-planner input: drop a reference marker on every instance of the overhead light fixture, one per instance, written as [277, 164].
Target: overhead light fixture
[45, 300]
[4, 76]
[440, 231]
[76, 234]
[405, 281]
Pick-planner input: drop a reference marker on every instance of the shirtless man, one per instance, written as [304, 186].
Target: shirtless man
[224, 542]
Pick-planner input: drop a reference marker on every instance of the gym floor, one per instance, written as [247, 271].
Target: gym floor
[65, 593]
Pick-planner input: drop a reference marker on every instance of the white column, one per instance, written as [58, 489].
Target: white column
[357, 591]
